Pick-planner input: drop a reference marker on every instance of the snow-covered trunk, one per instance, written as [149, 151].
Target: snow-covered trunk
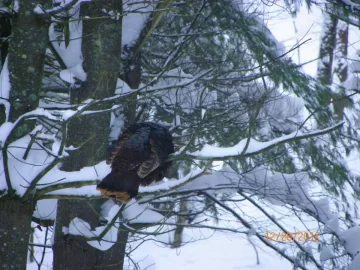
[101, 52]
[26, 58]
[15, 220]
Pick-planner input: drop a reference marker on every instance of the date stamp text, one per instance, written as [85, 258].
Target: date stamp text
[292, 236]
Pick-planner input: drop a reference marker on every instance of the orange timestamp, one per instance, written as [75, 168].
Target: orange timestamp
[292, 236]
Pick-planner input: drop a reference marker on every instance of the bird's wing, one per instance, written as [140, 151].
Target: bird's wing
[119, 146]
[151, 163]
[131, 150]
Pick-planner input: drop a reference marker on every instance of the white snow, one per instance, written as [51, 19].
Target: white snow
[70, 74]
[168, 184]
[355, 264]
[326, 254]
[216, 251]
[5, 87]
[63, 3]
[46, 209]
[5, 130]
[253, 146]
[332, 225]
[122, 87]
[136, 14]
[135, 213]
[352, 240]
[80, 227]
[71, 55]
[22, 172]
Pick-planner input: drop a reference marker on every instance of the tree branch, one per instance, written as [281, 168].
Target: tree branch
[298, 135]
[281, 227]
[260, 237]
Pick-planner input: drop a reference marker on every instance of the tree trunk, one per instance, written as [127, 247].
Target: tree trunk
[325, 66]
[341, 69]
[327, 47]
[26, 54]
[333, 52]
[101, 48]
[73, 252]
[181, 219]
[5, 32]
[326, 54]
[15, 221]
[26, 60]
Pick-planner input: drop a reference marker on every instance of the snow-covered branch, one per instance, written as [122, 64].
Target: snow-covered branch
[66, 5]
[76, 186]
[209, 152]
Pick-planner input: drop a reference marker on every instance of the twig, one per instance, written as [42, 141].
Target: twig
[260, 237]
[281, 227]
[44, 248]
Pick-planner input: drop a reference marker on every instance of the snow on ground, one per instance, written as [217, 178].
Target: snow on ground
[207, 249]
[221, 251]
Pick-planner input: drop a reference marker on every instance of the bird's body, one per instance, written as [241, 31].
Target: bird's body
[139, 158]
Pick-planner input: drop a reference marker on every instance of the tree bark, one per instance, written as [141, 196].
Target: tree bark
[101, 48]
[73, 252]
[181, 219]
[26, 54]
[26, 60]
[15, 221]
[327, 47]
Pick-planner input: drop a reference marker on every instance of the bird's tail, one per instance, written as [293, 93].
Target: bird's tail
[122, 187]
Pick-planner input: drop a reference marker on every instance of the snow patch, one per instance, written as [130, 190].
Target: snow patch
[135, 213]
[326, 254]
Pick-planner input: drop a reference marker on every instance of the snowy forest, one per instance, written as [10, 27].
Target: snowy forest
[266, 153]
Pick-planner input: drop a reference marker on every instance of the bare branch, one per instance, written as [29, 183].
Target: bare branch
[260, 237]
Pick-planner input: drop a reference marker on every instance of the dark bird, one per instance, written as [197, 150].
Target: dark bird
[139, 158]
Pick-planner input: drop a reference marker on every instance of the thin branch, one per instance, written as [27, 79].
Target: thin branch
[44, 248]
[40, 175]
[109, 225]
[281, 227]
[6, 171]
[260, 237]
[40, 245]
[152, 23]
